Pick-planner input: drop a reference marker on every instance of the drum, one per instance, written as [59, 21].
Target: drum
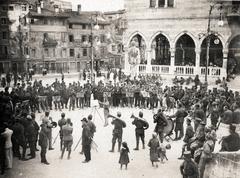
[169, 127]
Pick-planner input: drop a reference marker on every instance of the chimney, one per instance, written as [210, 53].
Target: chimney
[42, 4]
[39, 10]
[79, 9]
[56, 8]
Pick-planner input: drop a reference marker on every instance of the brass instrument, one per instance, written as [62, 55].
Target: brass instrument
[114, 117]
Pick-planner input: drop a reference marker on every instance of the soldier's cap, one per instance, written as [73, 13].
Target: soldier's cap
[119, 114]
[198, 119]
[90, 117]
[84, 119]
[214, 103]
[187, 153]
[29, 117]
[47, 111]
[63, 114]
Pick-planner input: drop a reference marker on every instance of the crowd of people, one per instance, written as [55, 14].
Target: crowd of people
[195, 105]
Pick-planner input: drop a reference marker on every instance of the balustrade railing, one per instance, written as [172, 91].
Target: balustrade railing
[179, 70]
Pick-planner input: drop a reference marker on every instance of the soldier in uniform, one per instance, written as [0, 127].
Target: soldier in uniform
[161, 122]
[141, 126]
[180, 115]
[67, 137]
[43, 143]
[31, 136]
[189, 168]
[61, 123]
[46, 119]
[91, 125]
[117, 131]
[86, 140]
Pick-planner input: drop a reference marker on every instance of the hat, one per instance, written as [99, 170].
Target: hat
[189, 119]
[198, 119]
[187, 154]
[203, 123]
[154, 135]
[29, 117]
[214, 103]
[63, 114]
[119, 114]
[168, 146]
[90, 117]
[84, 119]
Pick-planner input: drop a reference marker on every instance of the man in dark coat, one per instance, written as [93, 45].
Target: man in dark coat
[227, 116]
[18, 140]
[141, 126]
[117, 131]
[31, 136]
[189, 168]
[36, 126]
[43, 143]
[86, 140]
[236, 115]
[231, 142]
[61, 123]
[180, 115]
[91, 125]
[161, 122]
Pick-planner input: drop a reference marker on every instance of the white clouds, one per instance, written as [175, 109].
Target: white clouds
[99, 5]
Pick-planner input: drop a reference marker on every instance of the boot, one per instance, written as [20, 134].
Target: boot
[143, 147]
[112, 150]
[137, 146]
[119, 146]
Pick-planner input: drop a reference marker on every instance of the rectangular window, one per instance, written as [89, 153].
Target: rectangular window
[4, 35]
[5, 50]
[152, 3]
[84, 38]
[101, 27]
[113, 48]
[33, 52]
[54, 52]
[90, 38]
[26, 52]
[24, 8]
[10, 8]
[4, 8]
[102, 39]
[71, 38]
[85, 52]
[32, 21]
[70, 26]
[71, 52]
[64, 53]
[46, 52]
[45, 21]
[3, 21]
[63, 37]
[84, 27]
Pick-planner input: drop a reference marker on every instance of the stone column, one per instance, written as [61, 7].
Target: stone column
[172, 62]
[224, 66]
[197, 69]
[126, 64]
[166, 4]
[156, 3]
[149, 58]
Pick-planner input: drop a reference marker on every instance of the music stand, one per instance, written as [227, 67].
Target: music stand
[94, 105]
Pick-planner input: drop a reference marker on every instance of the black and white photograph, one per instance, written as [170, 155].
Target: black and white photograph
[120, 88]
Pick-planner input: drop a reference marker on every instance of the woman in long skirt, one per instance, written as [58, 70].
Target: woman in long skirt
[154, 149]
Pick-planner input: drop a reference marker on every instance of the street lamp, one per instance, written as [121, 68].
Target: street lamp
[208, 37]
[96, 27]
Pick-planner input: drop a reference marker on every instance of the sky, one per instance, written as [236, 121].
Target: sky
[98, 5]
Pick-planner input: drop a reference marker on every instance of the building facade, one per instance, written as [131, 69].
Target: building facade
[47, 35]
[168, 37]
[14, 33]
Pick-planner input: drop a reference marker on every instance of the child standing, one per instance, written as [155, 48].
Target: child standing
[154, 149]
[124, 158]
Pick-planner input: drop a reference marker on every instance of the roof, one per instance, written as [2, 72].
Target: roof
[85, 18]
[122, 11]
[48, 13]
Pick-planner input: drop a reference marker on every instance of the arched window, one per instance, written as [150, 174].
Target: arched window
[160, 51]
[185, 51]
[215, 52]
[234, 56]
[152, 3]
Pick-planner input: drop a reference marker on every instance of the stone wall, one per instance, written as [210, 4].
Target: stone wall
[224, 165]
